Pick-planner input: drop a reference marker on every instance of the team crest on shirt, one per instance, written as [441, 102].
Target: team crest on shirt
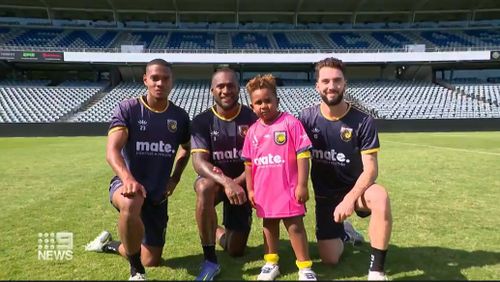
[315, 131]
[172, 125]
[280, 137]
[345, 134]
[214, 134]
[242, 130]
[142, 125]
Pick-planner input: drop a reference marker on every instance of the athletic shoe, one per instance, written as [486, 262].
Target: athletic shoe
[377, 276]
[354, 237]
[98, 243]
[306, 274]
[138, 277]
[208, 271]
[269, 272]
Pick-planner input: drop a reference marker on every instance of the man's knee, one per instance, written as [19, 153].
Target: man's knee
[151, 256]
[151, 262]
[330, 251]
[330, 259]
[234, 242]
[206, 189]
[128, 206]
[379, 200]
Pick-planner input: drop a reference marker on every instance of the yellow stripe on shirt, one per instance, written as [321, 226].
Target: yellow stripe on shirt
[200, 151]
[304, 155]
[370, 151]
[117, 128]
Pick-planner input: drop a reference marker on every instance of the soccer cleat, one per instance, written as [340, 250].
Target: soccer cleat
[138, 277]
[306, 274]
[98, 243]
[377, 276]
[269, 272]
[353, 236]
[208, 271]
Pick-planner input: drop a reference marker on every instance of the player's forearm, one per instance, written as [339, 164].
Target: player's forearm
[117, 164]
[365, 180]
[205, 169]
[180, 164]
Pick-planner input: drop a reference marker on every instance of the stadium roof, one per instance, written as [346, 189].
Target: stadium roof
[281, 11]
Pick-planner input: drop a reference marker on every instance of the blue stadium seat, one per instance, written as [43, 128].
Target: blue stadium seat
[285, 42]
[391, 39]
[250, 40]
[192, 40]
[349, 40]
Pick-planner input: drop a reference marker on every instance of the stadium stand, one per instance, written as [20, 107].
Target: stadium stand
[196, 28]
[290, 40]
[383, 99]
[418, 100]
[23, 104]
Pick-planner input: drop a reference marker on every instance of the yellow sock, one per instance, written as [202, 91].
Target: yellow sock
[271, 258]
[304, 264]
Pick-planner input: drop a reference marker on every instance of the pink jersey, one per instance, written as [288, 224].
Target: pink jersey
[272, 150]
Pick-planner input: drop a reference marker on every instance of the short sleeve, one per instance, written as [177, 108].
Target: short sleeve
[200, 136]
[368, 137]
[246, 152]
[121, 117]
[299, 136]
[186, 134]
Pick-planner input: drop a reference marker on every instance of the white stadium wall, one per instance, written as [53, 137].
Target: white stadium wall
[217, 58]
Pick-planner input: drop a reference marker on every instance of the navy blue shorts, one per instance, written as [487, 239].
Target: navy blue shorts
[326, 227]
[154, 217]
[235, 217]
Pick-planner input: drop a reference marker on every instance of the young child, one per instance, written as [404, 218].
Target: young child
[276, 154]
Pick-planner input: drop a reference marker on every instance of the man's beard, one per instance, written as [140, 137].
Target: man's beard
[335, 101]
[226, 106]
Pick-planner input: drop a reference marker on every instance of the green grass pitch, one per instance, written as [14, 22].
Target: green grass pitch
[444, 188]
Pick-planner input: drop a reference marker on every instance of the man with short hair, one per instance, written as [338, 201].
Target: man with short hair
[217, 139]
[344, 169]
[147, 134]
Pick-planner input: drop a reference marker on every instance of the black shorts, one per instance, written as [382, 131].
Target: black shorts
[235, 217]
[326, 227]
[154, 217]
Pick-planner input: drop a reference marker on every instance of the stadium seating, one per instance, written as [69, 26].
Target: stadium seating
[256, 39]
[77, 101]
[418, 100]
[487, 92]
[21, 104]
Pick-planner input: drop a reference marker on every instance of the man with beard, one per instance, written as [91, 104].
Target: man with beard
[344, 169]
[217, 138]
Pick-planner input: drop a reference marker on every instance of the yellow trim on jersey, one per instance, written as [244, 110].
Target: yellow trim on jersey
[117, 128]
[248, 163]
[141, 99]
[336, 118]
[223, 118]
[304, 155]
[370, 151]
[200, 151]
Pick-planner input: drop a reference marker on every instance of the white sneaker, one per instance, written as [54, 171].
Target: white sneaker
[306, 274]
[355, 237]
[99, 242]
[377, 276]
[269, 272]
[138, 277]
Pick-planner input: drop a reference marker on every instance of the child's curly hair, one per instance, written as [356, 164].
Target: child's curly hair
[267, 81]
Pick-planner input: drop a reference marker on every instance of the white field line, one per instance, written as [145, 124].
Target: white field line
[446, 148]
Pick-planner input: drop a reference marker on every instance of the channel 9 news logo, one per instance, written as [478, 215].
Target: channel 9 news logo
[55, 246]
